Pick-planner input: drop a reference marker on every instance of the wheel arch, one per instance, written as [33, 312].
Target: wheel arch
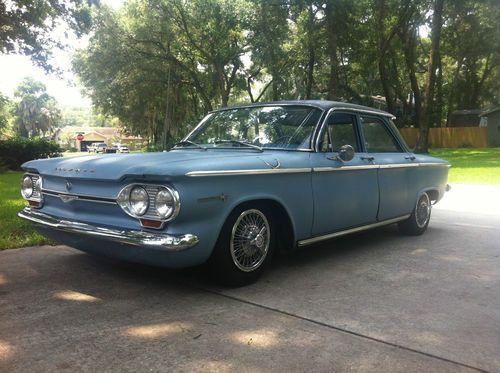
[433, 192]
[285, 228]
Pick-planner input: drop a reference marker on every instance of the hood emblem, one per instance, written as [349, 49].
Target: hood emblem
[67, 198]
[60, 169]
[68, 185]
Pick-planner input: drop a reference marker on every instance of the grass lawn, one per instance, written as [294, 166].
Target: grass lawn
[472, 166]
[13, 231]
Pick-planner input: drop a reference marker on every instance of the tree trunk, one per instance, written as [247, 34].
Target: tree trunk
[438, 118]
[383, 46]
[384, 79]
[409, 46]
[333, 83]
[434, 57]
[310, 72]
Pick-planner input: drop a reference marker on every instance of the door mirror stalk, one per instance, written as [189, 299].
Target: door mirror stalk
[346, 154]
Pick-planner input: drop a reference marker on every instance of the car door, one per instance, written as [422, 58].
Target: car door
[345, 193]
[383, 149]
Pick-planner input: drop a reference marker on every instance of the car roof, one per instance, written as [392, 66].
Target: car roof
[320, 104]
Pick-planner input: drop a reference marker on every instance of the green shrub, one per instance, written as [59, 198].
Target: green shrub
[14, 152]
[153, 148]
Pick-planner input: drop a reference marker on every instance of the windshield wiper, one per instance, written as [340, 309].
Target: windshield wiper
[189, 142]
[244, 143]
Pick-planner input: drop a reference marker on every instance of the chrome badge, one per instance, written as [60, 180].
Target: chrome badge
[68, 185]
[67, 198]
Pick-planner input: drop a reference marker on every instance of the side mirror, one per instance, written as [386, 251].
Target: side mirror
[346, 153]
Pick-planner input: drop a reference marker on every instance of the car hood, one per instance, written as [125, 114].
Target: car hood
[173, 163]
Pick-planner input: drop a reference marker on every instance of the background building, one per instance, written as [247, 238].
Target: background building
[67, 137]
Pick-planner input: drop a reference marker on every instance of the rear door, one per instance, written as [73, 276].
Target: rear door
[383, 149]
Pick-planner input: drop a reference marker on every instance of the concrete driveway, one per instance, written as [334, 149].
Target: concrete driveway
[376, 301]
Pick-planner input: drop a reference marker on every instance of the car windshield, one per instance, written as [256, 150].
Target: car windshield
[257, 127]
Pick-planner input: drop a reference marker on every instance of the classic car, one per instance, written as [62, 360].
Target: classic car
[247, 181]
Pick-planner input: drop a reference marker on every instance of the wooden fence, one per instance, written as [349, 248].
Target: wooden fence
[450, 137]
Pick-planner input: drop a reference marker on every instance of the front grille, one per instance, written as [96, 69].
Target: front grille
[152, 192]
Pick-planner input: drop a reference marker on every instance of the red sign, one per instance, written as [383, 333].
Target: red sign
[79, 137]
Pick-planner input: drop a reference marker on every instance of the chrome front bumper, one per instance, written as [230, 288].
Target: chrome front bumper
[138, 238]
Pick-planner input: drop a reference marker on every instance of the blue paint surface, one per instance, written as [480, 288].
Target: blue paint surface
[317, 203]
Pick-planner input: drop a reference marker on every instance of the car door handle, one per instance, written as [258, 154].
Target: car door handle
[368, 158]
[411, 157]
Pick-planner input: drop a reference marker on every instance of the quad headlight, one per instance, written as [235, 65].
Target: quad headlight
[149, 202]
[31, 189]
[139, 200]
[27, 187]
[165, 203]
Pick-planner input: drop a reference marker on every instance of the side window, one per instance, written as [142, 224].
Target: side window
[340, 131]
[378, 139]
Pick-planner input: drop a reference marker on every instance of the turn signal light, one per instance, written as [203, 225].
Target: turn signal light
[147, 223]
[34, 204]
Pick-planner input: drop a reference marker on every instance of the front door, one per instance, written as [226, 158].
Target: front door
[345, 193]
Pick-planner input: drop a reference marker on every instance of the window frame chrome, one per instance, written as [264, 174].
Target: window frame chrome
[348, 110]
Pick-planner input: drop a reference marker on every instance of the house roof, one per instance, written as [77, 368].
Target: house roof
[489, 111]
[107, 132]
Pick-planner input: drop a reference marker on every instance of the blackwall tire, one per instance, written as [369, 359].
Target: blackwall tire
[419, 219]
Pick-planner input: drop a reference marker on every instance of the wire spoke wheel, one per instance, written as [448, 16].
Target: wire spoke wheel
[250, 239]
[423, 210]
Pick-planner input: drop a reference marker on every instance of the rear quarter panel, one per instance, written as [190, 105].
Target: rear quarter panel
[432, 174]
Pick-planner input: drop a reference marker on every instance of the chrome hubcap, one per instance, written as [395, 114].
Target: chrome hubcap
[423, 210]
[250, 239]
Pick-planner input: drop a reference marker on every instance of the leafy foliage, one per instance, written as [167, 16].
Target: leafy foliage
[15, 151]
[27, 25]
[36, 112]
[159, 65]
[5, 108]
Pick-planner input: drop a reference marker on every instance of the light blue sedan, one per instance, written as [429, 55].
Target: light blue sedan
[247, 181]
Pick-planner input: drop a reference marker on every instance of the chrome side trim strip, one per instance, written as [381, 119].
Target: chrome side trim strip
[400, 165]
[151, 240]
[249, 172]
[312, 240]
[435, 164]
[307, 170]
[346, 168]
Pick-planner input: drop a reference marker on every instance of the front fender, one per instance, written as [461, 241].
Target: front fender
[206, 203]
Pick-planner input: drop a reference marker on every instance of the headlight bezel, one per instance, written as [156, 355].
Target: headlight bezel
[151, 213]
[36, 194]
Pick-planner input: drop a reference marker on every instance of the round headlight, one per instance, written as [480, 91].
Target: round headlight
[139, 201]
[27, 187]
[165, 203]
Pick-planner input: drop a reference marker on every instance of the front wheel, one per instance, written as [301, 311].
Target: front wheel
[245, 246]
[418, 221]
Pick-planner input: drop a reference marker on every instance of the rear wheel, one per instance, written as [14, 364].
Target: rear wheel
[245, 246]
[418, 221]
